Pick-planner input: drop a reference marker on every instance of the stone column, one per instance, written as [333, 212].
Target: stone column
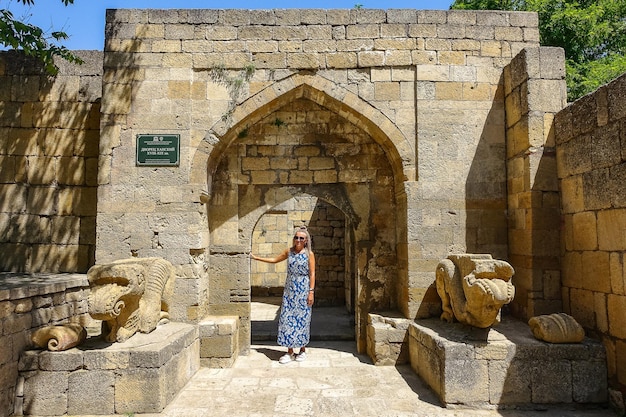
[535, 91]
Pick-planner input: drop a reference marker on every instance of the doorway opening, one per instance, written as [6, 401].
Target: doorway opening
[333, 317]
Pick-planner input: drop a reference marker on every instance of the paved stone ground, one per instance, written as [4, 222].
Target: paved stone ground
[333, 381]
[327, 323]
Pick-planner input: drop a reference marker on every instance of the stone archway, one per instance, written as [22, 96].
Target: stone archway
[306, 141]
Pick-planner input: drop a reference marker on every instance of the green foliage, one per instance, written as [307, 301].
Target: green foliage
[487, 5]
[244, 133]
[592, 33]
[33, 40]
[234, 84]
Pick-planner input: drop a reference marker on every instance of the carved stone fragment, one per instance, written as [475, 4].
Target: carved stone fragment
[473, 288]
[556, 328]
[59, 337]
[130, 295]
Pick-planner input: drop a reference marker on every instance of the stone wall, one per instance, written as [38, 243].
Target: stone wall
[28, 302]
[535, 90]
[49, 135]
[591, 156]
[420, 90]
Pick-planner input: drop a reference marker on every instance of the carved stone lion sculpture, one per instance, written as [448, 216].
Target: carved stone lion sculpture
[473, 288]
[130, 295]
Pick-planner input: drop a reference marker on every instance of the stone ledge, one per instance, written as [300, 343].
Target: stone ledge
[141, 375]
[505, 366]
[14, 285]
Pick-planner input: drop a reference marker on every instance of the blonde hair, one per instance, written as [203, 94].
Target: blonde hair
[307, 244]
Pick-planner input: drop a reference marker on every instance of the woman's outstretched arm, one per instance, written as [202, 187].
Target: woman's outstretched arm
[281, 257]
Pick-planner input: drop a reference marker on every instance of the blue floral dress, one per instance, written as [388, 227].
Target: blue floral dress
[294, 322]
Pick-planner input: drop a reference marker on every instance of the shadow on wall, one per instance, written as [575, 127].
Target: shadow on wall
[486, 187]
[48, 175]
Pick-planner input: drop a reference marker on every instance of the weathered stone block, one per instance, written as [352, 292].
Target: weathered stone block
[164, 361]
[387, 339]
[45, 393]
[82, 386]
[519, 370]
[219, 340]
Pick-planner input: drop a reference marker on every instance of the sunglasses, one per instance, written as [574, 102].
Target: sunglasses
[299, 238]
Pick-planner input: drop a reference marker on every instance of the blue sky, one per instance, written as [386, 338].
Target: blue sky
[84, 20]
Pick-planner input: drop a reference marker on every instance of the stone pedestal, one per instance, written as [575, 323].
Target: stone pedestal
[219, 341]
[387, 339]
[505, 366]
[141, 375]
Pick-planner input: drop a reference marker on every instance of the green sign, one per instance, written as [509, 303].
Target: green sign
[158, 150]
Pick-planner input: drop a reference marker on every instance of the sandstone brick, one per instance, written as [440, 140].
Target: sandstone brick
[290, 33]
[341, 60]
[448, 91]
[436, 44]
[596, 271]
[167, 46]
[618, 274]
[423, 57]
[221, 33]
[422, 30]
[263, 177]
[611, 229]
[581, 306]
[387, 91]
[301, 177]
[45, 393]
[451, 31]
[325, 177]
[81, 387]
[360, 31]
[433, 73]
[303, 60]
[139, 389]
[288, 17]
[491, 48]
[398, 58]
[371, 58]
[451, 58]
[270, 60]
[319, 32]
[616, 305]
[584, 231]
[401, 16]
[150, 31]
[256, 32]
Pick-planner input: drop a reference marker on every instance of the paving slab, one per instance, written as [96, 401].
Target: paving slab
[333, 381]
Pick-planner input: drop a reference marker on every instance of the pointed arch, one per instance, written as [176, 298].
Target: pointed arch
[335, 98]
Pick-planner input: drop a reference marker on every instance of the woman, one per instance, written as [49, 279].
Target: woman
[294, 322]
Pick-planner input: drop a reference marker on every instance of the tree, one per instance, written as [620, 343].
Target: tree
[592, 33]
[33, 40]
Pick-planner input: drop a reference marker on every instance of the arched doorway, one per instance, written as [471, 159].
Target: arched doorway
[304, 142]
[333, 317]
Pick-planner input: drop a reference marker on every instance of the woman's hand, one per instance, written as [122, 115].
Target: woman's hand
[309, 299]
